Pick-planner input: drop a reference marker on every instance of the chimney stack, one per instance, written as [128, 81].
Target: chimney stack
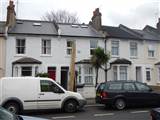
[158, 25]
[11, 15]
[96, 19]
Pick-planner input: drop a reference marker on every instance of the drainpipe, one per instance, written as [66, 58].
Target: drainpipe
[105, 66]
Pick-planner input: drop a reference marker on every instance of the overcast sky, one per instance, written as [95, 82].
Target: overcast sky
[132, 13]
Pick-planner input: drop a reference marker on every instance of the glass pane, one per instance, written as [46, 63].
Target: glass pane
[115, 86]
[93, 43]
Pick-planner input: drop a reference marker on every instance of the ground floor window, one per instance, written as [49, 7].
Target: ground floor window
[26, 71]
[148, 74]
[120, 72]
[159, 73]
[88, 75]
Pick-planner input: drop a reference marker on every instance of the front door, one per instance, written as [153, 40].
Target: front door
[64, 77]
[138, 74]
[52, 72]
[50, 95]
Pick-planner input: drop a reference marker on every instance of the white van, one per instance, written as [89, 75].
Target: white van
[33, 93]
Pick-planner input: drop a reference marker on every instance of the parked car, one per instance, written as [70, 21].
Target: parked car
[155, 114]
[7, 115]
[121, 94]
[34, 93]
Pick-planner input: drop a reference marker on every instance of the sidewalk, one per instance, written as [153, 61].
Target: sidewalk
[90, 101]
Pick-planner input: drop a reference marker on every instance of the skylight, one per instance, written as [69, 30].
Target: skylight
[37, 24]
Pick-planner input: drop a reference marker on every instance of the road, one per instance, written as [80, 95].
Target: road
[96, 113]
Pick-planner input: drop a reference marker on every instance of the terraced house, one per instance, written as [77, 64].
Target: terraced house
[45, 47]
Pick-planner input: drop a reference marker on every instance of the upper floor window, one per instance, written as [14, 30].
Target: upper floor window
[133, 49]
[115, 48]
[151, 51]
[20, 46]
[93, 46]
[46, 46]
[69, 47]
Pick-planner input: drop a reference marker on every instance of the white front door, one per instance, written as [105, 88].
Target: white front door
[50, 95]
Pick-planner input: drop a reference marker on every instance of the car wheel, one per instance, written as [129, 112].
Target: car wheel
[12, 107]
[70, 106]
[120, 104]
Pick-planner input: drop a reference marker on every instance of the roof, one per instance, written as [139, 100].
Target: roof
[84, 61]
[158, 63]
[121, 61]
[27, 60]
[117, 32]
[78, 30]
[34, 27]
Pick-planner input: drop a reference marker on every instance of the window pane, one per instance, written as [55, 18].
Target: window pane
[142, 87]
[115, 47]
[115, 86]
[93, 43]
[115, 73]
[20, 46]
[133, 49]
[26, 71]
[123, 73]
[46, 46]
[148, 74]
[129, 87]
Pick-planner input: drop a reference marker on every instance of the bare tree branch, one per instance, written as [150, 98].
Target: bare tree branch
[61, 16]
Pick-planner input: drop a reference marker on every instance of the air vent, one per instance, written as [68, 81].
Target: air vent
[75, 26]
[36, 24]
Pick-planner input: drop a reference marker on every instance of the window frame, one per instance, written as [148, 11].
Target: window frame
[89, 74]
[148, 76]
[20, 48]
[93, 46]
[69, 48]
[115, 48]
[26, 70]
[46, 47]
[133, 49]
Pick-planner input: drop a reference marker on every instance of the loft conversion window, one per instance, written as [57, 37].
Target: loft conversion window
[93, 46]
[151, 51]
[20, 46]
[46, 47]
[115, 48]
[36, 24]
[69, 47]
[133, 49]
[75, 26]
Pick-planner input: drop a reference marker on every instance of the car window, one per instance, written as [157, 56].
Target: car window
[115, 86]
[129, 87]
[101, 87]
[48, 86]
[142, 87]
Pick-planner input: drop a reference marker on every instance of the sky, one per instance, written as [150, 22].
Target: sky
[131, 13]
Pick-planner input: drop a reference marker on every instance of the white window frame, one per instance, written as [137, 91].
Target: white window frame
[123, 72]
[133, 49]
[79, 75]
[24, 71]
[151, 51]
[115, 46]
[46, 47]
[69, 47]
[93, 45]
[159, 73]
[20, 47]
[118, 71]
[148, 70]
[89, 74]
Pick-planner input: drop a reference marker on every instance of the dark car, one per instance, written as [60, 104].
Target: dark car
[6, 115]
[155, 114]
[120, 94]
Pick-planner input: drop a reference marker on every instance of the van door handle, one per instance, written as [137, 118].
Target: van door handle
[41, 93]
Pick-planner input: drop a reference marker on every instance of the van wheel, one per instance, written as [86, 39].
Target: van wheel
[70, 106]
[12, 107]
[120, 104]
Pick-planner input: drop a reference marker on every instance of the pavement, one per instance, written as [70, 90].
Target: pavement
[90, 101]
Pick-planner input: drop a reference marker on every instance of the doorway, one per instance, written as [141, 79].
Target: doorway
[64, 77]
[139, 74]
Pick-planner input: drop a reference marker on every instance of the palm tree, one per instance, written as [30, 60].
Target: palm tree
[98, 59]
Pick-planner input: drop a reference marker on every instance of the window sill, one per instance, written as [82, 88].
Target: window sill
[20, 55]
[45, 55]
[133, 57]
